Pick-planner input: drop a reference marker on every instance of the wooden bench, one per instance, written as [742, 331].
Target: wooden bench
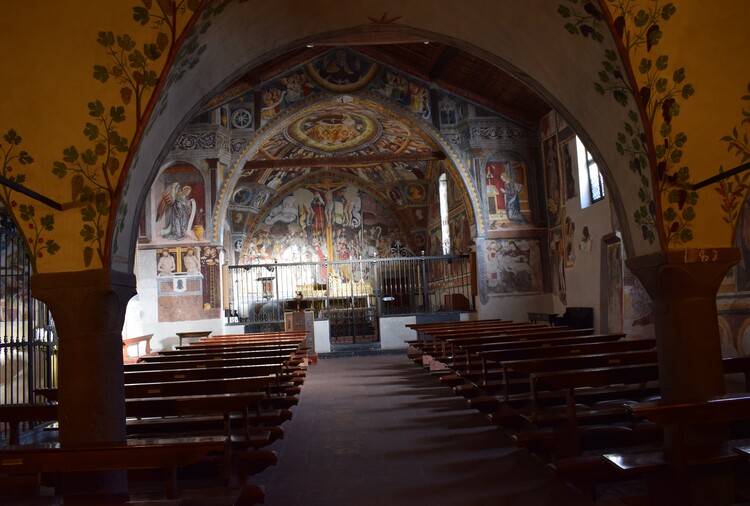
[201, 373]
[168, 454]
[476, 370]
[585, 472]
[16, 414]
[209, 355]
[436, 341]
[467, 344]
[670, 470]
[135, 347]
[430, 334]
[570, 380]
[483, 351]
[206, 363]
[445, 353]
[525, 368]
[223, 404]
[498, 357]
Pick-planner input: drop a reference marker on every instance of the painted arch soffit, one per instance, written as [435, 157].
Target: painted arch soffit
[342, 126]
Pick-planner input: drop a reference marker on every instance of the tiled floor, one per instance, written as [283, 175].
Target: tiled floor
[378, 430]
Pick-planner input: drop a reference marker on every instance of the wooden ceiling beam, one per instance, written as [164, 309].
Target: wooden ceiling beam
[446, 55]
[349, 161]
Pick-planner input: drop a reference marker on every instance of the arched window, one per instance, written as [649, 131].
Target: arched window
[444, 228]
[590, 180]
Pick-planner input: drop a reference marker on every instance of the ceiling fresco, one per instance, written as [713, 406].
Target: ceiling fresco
[345, 125]
[345, 130]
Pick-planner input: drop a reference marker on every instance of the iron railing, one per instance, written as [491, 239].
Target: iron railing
[260, 293]
[28, 341]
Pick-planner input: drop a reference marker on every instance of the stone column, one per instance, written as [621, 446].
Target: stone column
[683, 286]
[88, 308]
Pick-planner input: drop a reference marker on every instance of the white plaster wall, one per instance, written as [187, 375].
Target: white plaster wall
[393, 332]
[517, 307]
[146, 320]
[322, 337]
[584, 278]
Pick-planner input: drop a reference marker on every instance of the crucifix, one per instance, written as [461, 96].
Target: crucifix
[326, 188]
[178, 250]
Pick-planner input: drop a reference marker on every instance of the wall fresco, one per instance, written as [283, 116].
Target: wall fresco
[513, 266]
[325, 219]
[507, 194]
[180, 206]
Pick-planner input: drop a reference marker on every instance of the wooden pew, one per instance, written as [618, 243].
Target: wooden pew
[281, 341]
[463, 343]
[201, 373]
[290, 373]
[447, 355]
[257, 335]
[561, 416]
[241, 403]
[209, 363]
[477, 346]
[168, 454]
[134, 347]
[683, 460]
[250, 348]
[585, 472]
[439, 337]
[212, 354]
[422, 328]
[191, 387]
[570, 380]
[17, 414]
[478, 369]
[426, 332]
[525, 368]
[497, 357]
[199, 387]
[493, 384]
[538, 338]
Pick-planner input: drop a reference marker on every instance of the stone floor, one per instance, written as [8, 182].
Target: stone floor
[378, 430]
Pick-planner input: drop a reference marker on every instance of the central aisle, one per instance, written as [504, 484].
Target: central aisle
[380, 431]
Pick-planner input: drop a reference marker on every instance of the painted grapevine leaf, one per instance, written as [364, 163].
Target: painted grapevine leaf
[738, 145]
[94, 168]
[25, 215]
[656, 96]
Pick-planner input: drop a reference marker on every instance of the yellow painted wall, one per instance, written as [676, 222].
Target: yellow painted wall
[710, 40]
[49, 50]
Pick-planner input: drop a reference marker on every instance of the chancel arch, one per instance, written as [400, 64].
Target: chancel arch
[355, 137]
[566, 92]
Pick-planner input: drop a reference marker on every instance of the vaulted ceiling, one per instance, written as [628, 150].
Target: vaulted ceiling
[349, 136]
[448, 67]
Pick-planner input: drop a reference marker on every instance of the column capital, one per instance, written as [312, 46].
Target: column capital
[683, 274]
[93, 300]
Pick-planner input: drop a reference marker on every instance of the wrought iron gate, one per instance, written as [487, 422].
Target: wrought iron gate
[28, 342]
[351, 294]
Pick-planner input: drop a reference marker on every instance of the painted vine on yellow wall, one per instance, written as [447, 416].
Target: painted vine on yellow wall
[187, 58]
[659, 97]
[94, 167]
[38, 244]
[613, 80]
[733, 192]
[656, 93]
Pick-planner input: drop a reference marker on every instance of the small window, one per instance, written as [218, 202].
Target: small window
[590, 181]
[444, 227]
